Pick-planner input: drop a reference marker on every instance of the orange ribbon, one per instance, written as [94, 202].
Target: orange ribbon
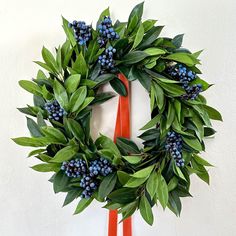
[122, 129]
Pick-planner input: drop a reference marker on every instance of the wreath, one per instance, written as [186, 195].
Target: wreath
[122, 175]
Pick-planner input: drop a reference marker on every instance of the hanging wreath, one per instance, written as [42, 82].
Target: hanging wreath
[122, 175]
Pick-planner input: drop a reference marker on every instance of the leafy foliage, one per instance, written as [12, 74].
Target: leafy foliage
[137, 178]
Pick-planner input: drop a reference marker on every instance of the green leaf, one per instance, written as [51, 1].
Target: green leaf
[151, 36]
[69, 32]
[123, 177]
[135, 182]
[102, 79]
[144, 173]
[107, 185]
[127, 146]
[177, 40]
[83, 203]
[174, 203]
[193, 143]
[71, 196]
[123, 195]
[72, 83]
[30, 87]
[40, 120]
[159, 95]
[134, 57]
[143, 77]
[60, 94]
[33, 128]
[146, 210]
[139, 36]
[78, 98]
[135, 17]
[65, 154]
[152, 122]
[152, 184]
[55, 135]
[76, 129]
[201, 161]
[185, 58]
[35, 152]
[174, 90]
[133, 159]
[106, 12]
[50, 60]
[173, 183]
[60, 182]
[148, 24]
[51, 167]
[213, 113]
[31, 142]
[107, 143]
[86, 102]
[154, 51]
[208, 131]
[162, 191]
[80, 65]
[170, 115]
[118, 86]
[59, 59]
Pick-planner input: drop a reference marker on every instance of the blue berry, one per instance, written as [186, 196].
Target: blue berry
[106, 31]
[55, 111]
[185, 76]
[192, 92]
[106, 60]
[89, 185]
[100, 167]
[82, 32]
[74, 168]
[174, 146]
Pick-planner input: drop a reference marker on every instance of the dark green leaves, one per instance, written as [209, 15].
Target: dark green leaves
[118, 86]
[60, 182]
[162, 191]
[134, 57]
[150, 36]
[107, 185]
[135, 17]
[83, 203]
[146, 210]
[33, 128]
[127, 146]
[123, 195]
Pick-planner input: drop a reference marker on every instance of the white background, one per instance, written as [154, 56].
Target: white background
[28, 206]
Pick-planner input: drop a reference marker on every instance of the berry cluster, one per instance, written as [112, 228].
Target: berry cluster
[55, 111]
[89, 184]
[106, 59]
[174, 146]
[185, 76]
[192, 92]
[100, 167]
[77, 168]
[74, 168]
[106, 31]
[82, 32]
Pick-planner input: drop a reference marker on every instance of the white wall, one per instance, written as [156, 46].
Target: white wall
[28, 205]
